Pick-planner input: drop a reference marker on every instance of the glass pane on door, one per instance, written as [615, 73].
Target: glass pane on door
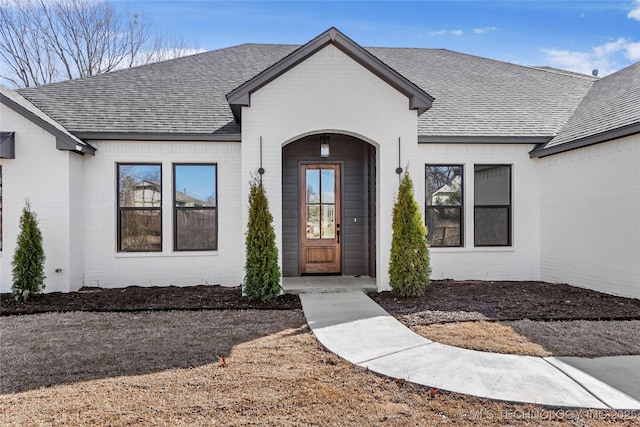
[313, 186]
[328, 186]
[328, 222]
[313, 221]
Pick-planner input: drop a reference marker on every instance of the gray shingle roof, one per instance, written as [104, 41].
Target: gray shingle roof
[22, 105]
[474, 96]
[184, 95]
[612, 103]
[482, 97]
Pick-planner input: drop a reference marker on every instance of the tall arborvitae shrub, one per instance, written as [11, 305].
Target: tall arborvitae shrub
[28, 260]
[262, 272]
[409, 265]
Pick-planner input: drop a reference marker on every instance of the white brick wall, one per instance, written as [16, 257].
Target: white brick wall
[39, 172]
[77, 221]
[591, 217]
[105, 267]
[329, 92]
[518, 262]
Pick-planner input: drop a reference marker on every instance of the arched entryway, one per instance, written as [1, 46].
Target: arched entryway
[328, 207]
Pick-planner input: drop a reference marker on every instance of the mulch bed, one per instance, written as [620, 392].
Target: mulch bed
[136, 298]
[489, 300]
[512, 301]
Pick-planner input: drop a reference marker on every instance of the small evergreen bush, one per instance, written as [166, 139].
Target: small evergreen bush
[262, 272]
[409, 265]
[28, 259]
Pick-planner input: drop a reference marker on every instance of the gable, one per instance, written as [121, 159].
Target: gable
[418, 99]
[64, 140]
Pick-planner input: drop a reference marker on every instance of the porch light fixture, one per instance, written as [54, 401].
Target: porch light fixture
[324, 145]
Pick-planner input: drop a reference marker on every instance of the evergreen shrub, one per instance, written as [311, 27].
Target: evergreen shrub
[409, 265]
[262, 271]
[28, 259]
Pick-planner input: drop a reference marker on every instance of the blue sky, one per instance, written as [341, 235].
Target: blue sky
[568, 34]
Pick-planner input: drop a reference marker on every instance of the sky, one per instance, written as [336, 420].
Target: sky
[568, 34]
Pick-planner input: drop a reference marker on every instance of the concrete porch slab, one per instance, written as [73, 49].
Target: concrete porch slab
[328, 284]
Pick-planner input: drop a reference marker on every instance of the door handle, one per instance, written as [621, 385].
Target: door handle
[338, 232]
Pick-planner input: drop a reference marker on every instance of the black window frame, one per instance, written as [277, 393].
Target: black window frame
[460, 207]
[508, 207]
[121, 209]
[176, 208]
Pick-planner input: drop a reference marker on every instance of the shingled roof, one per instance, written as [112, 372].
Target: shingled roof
[64, 139]
[476, 99]
[184, 96]
[610, 110]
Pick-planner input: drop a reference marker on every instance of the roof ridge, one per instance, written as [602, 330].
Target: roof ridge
[561, 71]
[499, 61]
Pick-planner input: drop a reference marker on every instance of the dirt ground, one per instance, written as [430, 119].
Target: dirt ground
[221, 367]
[582, 338]
[529, 318]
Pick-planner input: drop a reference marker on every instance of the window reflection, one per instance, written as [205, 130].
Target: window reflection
[195, 204]
[444, 200]
[139, 208]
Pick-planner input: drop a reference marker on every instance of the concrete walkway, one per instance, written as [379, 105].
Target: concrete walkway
[355, 328]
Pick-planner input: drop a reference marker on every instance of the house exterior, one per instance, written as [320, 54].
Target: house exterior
[141, 176]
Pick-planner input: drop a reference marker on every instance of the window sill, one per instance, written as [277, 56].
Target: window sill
[473, 249]
[172, 254]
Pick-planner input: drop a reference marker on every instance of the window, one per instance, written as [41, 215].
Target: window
[443, 213]
[139, 208]
[492, 212]
[195, 207]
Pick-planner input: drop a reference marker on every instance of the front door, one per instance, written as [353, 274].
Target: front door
[320, 218]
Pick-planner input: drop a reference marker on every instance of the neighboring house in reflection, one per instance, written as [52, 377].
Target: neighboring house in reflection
[149, 193]
[522, 173]
[448, 192]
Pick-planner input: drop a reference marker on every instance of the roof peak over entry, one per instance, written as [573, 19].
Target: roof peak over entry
[418, 99]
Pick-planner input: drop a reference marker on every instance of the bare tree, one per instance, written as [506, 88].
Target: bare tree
[26, 59]
[42, 41]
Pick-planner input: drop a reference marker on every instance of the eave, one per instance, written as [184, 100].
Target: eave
[418, 99]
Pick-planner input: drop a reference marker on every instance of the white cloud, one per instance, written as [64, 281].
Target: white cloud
[484, 30]
[633, 51]
[568, 60]
[606, 58]
[610, 48]
[445, 32]
[635, 12]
